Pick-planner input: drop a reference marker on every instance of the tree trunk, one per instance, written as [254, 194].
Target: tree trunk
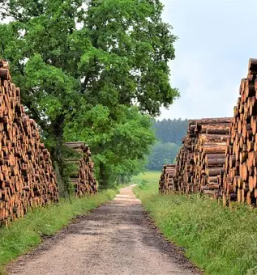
[102, 177]
[122, 178]
[60, 166]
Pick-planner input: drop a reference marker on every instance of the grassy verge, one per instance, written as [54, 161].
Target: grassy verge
[26, 233]
[219, 240]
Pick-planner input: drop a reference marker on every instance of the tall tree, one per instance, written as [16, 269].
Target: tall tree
[131, 48]
[42, 47]
[71, 57]
[128, 63]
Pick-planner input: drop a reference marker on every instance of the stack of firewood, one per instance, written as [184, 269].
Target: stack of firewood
[166, 183]
[83, 176]
[200, 162]
[240, 178]
[27, 178]
[209, 159]
[185, 160]
[219, 156]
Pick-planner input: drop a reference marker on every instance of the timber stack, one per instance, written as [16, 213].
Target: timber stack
[83, 175]
[200, 162]
[209, 158]
[240, 178]
[166, 183]
[219, 156]
[27, 178]
[185, 166]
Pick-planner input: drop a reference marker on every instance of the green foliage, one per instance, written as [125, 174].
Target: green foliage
[162, 153]
[83, 70]
[217, 239]
[142, 184]
[171, 130]
[24, 234]
[132, 48]
[119, 145]
[43, 52]
[169, 134]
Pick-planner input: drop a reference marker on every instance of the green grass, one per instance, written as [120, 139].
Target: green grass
[24, 234]
[219, 240]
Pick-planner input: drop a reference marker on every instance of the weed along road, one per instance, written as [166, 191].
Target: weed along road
[117, 238]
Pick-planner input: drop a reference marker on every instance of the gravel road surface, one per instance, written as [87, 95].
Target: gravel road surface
[118, 238]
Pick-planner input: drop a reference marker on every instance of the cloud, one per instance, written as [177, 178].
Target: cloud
[212, 55]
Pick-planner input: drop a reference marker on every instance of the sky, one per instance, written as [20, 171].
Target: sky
[216, 40]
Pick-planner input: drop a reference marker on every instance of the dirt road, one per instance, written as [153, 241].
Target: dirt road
[115, 239]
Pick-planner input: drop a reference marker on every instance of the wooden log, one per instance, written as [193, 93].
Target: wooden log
[203, 150]
[83, 179]
[27, 178]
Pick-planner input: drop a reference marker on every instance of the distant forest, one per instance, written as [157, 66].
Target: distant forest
[169, 133]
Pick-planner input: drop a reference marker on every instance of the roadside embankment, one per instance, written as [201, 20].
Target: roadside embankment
[217, 239]
[24, 234]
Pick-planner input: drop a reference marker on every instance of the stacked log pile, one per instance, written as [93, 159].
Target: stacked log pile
[166, 183]
[212, 135]
[27, 178]
[219, 156]
[200, 162]
[83, 178]
[185, 160]
[240, 178]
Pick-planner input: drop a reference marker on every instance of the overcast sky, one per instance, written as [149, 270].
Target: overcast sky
[216, 40]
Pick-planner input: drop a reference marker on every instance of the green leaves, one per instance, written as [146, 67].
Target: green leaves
[134, 48]
[162, 153]
[83, 66]
[120, 144]
[50, 87]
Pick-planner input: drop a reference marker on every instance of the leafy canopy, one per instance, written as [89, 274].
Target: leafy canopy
[131, 48]
[91, 70]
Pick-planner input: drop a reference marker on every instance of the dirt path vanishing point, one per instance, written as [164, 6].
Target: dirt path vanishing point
[115, 239]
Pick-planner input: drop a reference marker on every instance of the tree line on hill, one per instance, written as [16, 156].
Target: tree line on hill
[169, 133]
[94, 71]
